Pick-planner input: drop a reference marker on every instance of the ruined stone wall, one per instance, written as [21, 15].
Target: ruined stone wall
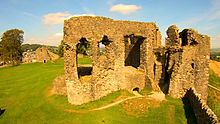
[188, 62]
[107, 73]
[182, 64]
[44, 55]
[159, 67]
[53, 56]
[70, 66]
[203, 113]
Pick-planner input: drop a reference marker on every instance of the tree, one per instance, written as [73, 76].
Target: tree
[10, 44]
[60, 49]
[83, 47]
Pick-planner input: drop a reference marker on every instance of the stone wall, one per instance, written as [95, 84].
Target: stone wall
[44, 55]
[204, 115]
[136, 47]
[187, 61]
[108, 70]
[40, 55]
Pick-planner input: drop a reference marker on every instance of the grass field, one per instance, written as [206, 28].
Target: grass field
[214, 96]
[24, 93]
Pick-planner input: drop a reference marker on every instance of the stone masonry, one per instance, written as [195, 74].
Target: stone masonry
[133, 58]
[203, 114]
[44, 55]
[187, 62]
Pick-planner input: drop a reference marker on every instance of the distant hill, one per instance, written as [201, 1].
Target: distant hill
[33, 47]
[215, 51]
[215, 54]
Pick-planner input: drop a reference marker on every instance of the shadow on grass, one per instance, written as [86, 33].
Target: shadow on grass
[2, 111]
[189, 113]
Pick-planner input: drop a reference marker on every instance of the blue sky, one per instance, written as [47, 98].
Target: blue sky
[42, 20]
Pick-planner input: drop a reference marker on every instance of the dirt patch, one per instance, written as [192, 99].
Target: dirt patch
[158, 96]
[59, 86]
[124, 95]
[137, 107]
[49, 91]
[215, 66]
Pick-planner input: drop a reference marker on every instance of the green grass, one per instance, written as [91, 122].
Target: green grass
[84, 60]
[214, 96]
[24, 95]
[169, 112]
[214, 79]
[61, 101]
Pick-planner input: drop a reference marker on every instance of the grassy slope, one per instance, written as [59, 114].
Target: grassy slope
[214, 96]
[24, 89]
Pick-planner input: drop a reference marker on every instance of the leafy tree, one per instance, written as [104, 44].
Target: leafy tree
[83, 47]
[60, 49]
[10, 44]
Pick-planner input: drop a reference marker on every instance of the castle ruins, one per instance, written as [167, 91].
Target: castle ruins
[133, 58]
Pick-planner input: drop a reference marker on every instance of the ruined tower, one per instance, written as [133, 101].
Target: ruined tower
[188, 54]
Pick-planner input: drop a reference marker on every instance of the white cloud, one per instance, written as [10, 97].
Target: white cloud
[59, 17]
[53, 39]
[55, 18]
[124, 9]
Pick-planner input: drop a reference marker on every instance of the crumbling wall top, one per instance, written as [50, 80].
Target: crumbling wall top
[95, 27]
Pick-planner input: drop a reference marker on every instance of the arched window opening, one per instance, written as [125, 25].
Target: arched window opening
[103, 44]
[83, 47]
[83, 57]
[133, 50]
[101, 48]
